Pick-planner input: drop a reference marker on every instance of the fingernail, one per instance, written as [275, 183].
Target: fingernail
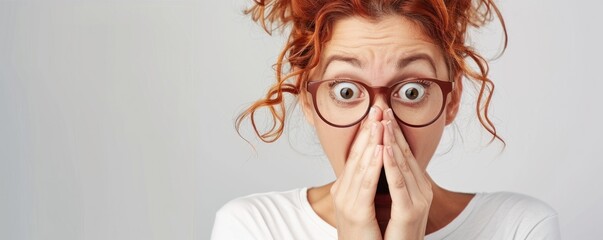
[390, 113]
[373, 129]
[389, 128]
[372, 113]
[389, 151]
[377, 150]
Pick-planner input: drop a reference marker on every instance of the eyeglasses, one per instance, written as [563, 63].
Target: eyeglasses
[416, 102]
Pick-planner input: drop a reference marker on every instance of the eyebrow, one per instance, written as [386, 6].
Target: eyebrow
[350, 60]
[402, 63]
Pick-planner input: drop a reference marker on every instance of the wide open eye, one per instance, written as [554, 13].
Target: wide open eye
[412, 92]
[344, 91]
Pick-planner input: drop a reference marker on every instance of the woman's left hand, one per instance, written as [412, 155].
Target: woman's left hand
[409, 187]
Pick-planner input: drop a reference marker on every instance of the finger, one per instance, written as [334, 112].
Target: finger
[362, 136]
[403, 150]
[367, 185]
[410, 183]
[395, 180]
[365, 142]
[366, 174]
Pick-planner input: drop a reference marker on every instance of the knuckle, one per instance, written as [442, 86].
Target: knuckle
[373, 140]
[399, 183]
[366, 126]
[373, 162]
[361, 168]
[404, 165]
[390, 161]
[367, 183]
[406, 152]
[392, 140]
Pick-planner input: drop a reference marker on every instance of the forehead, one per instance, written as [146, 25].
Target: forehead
[379, 42]
[394, 26]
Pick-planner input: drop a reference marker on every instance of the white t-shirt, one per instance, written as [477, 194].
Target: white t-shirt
[288, 215]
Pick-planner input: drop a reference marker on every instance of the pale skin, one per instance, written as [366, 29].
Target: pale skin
[372, 51]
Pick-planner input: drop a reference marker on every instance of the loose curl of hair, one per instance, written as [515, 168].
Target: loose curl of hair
[311, 25]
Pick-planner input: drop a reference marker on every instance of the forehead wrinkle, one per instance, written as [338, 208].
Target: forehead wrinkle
[361, 56]
[377, 45]
[396, 62]
[359, 52]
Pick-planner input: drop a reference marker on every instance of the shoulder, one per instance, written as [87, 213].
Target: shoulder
[256, 205]
[257, 216]
[517, 215]
[502, 215]
[517, 204]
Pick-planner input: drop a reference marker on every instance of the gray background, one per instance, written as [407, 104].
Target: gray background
[116, 117]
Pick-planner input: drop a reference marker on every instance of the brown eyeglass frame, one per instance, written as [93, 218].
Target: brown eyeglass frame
[445, 86]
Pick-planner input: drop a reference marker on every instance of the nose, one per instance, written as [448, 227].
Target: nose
[381, 101]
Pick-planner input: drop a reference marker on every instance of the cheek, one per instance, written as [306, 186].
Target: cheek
[336, 142]
[424, 141]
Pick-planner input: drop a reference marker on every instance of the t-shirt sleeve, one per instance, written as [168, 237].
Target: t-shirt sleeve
[505, 215]
[547, 229]
[235, 220]
[537, 220]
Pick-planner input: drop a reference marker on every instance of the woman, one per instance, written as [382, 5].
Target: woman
[379, 81]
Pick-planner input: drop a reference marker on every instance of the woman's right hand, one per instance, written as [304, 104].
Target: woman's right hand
[354, 190]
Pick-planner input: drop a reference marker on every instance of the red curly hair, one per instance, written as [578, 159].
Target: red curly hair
[311, 24]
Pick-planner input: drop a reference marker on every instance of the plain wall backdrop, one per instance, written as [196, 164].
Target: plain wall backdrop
[116, 117]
